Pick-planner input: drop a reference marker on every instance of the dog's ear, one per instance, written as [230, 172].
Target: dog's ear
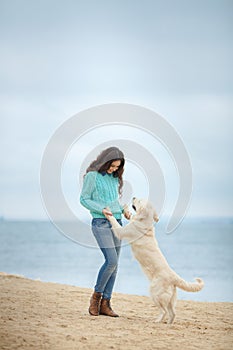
[142, 213]
[155, 216]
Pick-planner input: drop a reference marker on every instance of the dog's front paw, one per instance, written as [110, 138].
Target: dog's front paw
[111, 218]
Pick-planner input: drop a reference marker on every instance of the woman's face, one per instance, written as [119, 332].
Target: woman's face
[114, 166]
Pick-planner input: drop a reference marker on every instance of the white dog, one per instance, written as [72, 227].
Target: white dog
[140, 234]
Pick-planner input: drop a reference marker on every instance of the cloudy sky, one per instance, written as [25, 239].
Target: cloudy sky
[61, 57]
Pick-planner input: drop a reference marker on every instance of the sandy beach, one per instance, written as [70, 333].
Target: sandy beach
[39, 315]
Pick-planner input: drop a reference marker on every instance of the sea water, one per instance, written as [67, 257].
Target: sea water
[198, 248]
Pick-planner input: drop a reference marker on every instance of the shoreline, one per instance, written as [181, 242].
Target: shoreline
[48, 315]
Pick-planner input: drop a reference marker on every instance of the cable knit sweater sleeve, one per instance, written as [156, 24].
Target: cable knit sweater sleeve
[89, 186]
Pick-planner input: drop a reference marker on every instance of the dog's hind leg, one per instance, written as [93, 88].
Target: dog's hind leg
[163, 309]
[160, 298]
[162, 315]
[171, 307]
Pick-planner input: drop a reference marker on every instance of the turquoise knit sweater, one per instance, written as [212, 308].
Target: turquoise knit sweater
[100, 191]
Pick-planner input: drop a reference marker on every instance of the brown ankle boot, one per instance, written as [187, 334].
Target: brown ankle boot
[95, 304]
[105, 308]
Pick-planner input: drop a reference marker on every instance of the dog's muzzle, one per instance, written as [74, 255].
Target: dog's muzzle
[134, 208]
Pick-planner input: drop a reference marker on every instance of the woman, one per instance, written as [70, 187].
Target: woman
[100, 194]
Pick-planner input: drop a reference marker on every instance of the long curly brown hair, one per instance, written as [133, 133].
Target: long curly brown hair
[104, 160]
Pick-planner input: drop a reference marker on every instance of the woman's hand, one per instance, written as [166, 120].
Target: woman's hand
[127, 214]
[107, 212]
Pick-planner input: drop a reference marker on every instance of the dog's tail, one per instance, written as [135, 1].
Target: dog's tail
[187, 286]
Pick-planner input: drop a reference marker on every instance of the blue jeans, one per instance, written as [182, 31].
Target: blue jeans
[110, 246]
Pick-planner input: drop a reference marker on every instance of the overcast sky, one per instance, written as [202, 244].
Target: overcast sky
[60, 57]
